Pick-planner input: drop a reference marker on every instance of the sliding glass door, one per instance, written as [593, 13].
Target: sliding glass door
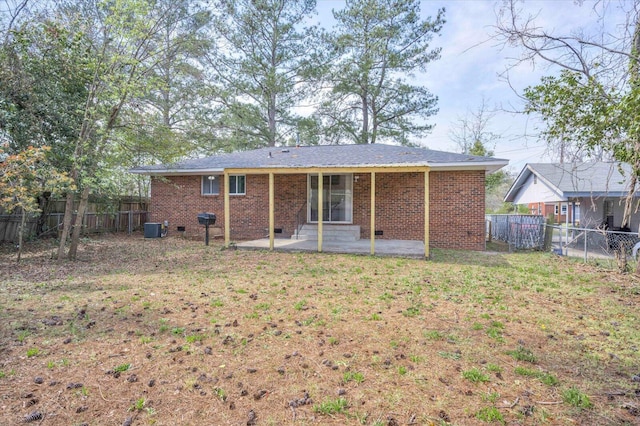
[337, 198]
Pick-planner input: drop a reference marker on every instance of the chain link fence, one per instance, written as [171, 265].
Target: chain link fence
[590, 243]
[530, 232]
[521, 232]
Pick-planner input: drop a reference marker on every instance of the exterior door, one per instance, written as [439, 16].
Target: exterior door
[337, 198]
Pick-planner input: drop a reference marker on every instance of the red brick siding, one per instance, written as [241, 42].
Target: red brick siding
[178, 199]
[290, 197]
[547, 210]
[399, 205]
[456, 206]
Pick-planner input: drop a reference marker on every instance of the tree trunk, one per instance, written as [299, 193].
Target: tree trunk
[272, 119]
[374, 121]
[634, 72]
[77, 229]
[365, 121]
[629, 200]
[43, 202]
[621, 255]
[66, 224]
[23, 222]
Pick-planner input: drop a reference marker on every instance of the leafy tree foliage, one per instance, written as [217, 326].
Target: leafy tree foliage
[594, 101]
[171, 118]
[264, 65]
[45, 72]
[23, 177]
[377, 44]
[86, 64]
[120, 44]
[111, 84]
[85, 77]
[576, 110]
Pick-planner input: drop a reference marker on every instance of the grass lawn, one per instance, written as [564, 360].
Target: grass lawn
[171, 332]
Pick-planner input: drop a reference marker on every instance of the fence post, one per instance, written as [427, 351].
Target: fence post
[585, 245]
[129, 222]
[548, 235]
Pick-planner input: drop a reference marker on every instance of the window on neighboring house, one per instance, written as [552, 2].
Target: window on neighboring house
[555, 210]
[237, 184]
[535, 179]
[211, 185]
[563, 209]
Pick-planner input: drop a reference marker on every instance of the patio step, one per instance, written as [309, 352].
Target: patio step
[329, 232]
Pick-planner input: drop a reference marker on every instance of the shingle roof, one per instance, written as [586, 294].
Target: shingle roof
[576, 179]
[324, 156]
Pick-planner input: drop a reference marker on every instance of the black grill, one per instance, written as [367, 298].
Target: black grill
[207, 218]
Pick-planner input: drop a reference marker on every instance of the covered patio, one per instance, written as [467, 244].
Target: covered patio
[400, 248]
[385, 199]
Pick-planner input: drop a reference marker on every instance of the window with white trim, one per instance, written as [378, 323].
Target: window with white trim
[211, 185]
[237, 184]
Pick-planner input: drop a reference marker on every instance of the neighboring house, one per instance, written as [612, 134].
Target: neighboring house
[375, 191]
[591, 194]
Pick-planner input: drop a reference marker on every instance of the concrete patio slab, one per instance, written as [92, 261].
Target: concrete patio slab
[401, 248]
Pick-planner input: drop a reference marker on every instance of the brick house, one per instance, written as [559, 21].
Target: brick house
[589, 194]
[374, 191]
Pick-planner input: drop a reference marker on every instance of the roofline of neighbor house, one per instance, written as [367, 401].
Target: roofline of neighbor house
[529, 170]
[519, 181]
[489, 167]
[599, 194]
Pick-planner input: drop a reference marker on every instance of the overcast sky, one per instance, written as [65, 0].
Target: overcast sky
[471, 63]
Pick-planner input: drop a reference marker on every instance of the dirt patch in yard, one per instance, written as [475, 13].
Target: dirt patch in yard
[168, 331]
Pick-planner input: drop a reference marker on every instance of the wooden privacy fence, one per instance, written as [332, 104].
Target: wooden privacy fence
[520, 231]
[129, 221]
